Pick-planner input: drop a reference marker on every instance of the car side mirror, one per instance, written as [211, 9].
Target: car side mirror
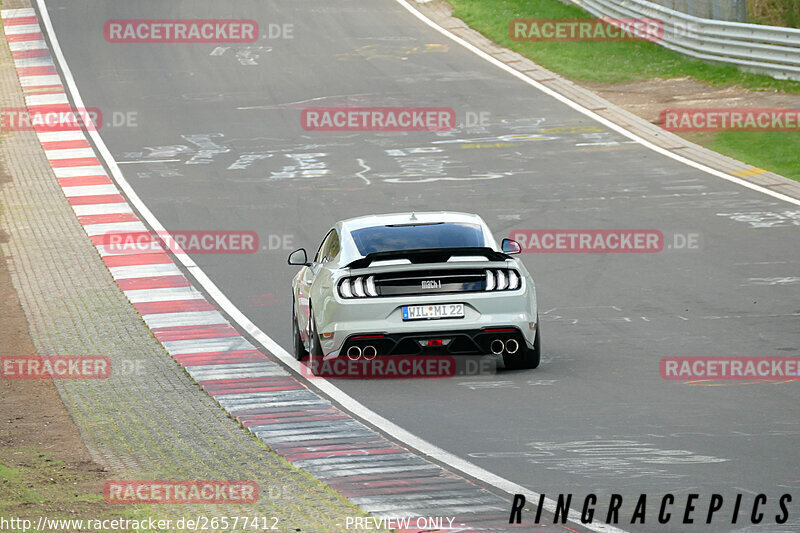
[510, 247]
[299, 258]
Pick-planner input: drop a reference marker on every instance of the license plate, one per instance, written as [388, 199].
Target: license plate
[426, 312]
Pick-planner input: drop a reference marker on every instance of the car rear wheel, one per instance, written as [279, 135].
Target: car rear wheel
[530, 357]
[314, 347]
[299, 349]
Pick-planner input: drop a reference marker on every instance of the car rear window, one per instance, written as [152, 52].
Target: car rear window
[418, 237]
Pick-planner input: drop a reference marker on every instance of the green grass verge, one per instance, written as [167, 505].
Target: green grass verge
[775, 151]
[33, 484]
[599, 62]
[636, 61]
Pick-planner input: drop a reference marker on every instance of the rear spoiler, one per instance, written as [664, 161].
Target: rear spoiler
[437, 255]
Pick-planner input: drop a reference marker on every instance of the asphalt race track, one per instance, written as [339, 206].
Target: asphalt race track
[218, 144]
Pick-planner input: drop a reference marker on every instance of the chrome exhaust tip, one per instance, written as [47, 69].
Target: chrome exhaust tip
[497, 346]
[370, 352]
[512, 346]
[354, 353]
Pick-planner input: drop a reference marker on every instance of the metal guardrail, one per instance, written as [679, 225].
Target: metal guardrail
[768, 50]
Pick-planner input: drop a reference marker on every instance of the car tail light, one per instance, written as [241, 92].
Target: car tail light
[489, 280]
[358, 287]
[371, 290]
[344, 289]
[502, 279]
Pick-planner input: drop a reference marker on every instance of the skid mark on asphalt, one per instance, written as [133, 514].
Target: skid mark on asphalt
[785, 280]
[504, 384]
[391, 51]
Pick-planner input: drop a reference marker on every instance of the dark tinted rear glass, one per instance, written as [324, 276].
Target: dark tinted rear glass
[418, 237]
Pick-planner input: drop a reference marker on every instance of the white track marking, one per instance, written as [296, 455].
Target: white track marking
[34, 100]
[27, 45]
[101, 209]
[145, 271]
[69, 153]
[128, 248]
[366, 169]
[193, 318]
[215, 294]
[40, 81]
[148, 161]
[90, 190]
[217, 344]
[54, 136]
[93, 230]
[577, 107]
[73, 172]
[21, 29]
[170, 294]
[16, 13]
[235, 371]
[33, 62]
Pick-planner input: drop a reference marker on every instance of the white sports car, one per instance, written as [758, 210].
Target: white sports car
[414, 284]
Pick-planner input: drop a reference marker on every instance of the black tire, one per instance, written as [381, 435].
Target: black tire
[314, 347]
[299, 349]
[530, 357]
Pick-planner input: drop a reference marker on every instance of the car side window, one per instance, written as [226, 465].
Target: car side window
[322, 247]
[332, 249]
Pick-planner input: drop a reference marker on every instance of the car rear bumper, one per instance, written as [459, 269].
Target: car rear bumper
[484, 341]
[380, 320]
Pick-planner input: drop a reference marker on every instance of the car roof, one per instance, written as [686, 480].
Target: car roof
[349, 251]
[369, 221]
